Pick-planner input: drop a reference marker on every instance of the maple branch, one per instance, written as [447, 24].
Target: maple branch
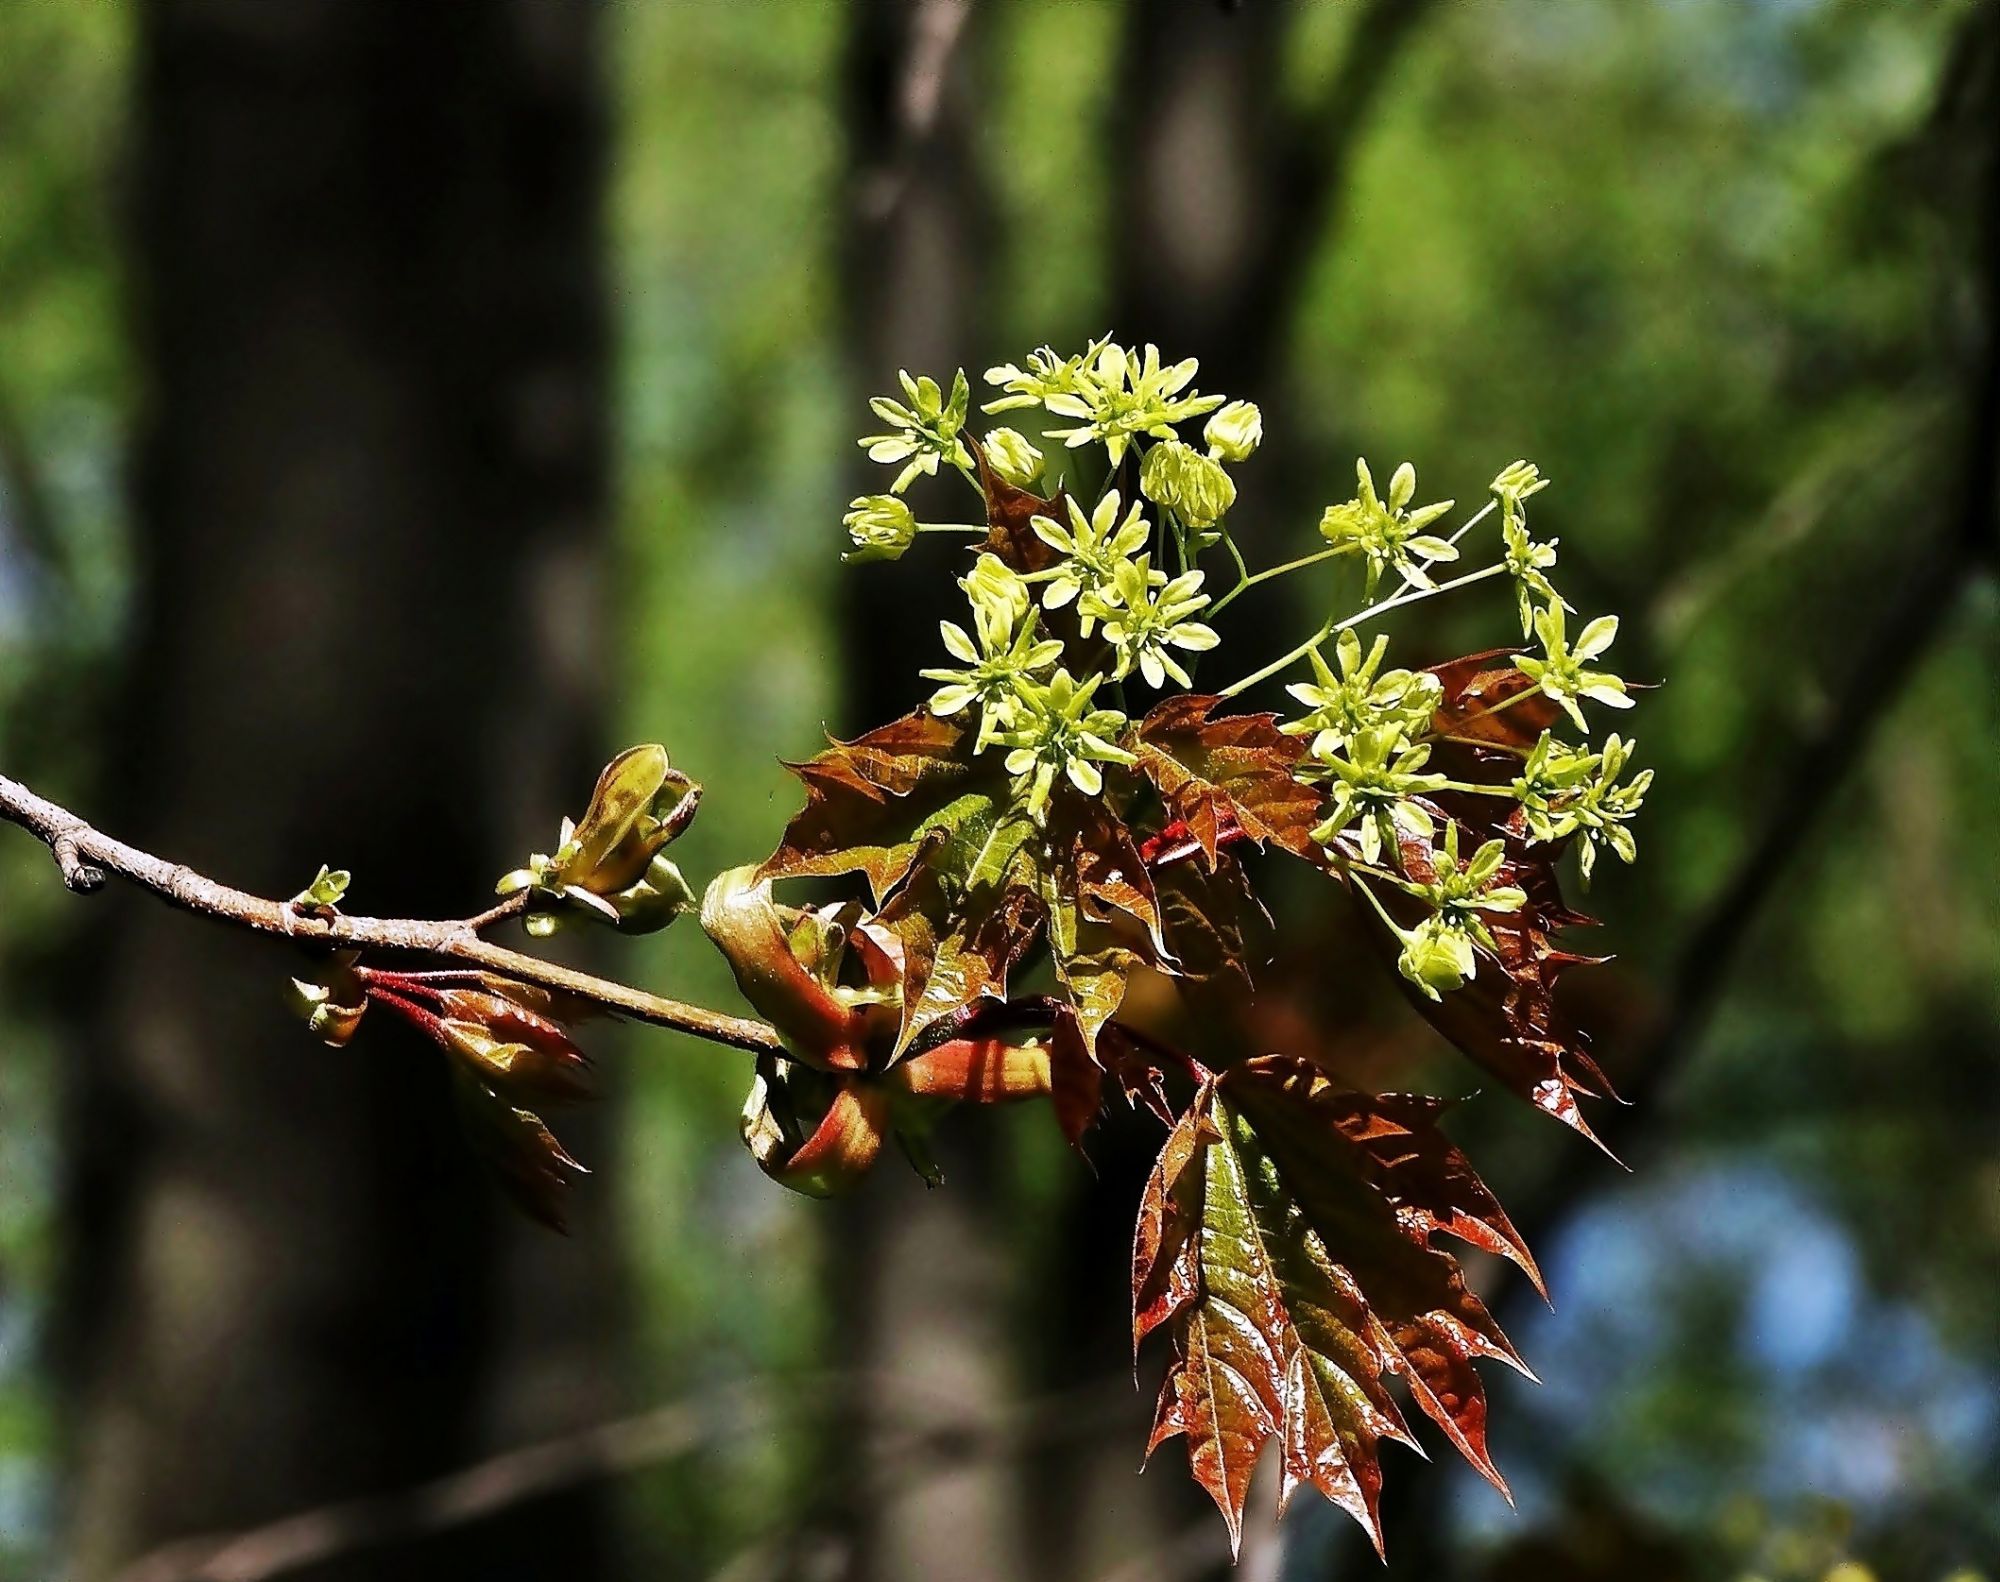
[85, 856]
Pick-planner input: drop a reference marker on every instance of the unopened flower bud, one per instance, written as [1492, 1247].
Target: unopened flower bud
[1436, 957]
[1180, 478]
[1013, 458]
[881, 525]
[1235, 432]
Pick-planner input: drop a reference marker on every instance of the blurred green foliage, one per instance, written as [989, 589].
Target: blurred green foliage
[1689, 256]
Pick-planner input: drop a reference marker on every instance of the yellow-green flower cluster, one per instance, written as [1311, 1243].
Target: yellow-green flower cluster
[1565, 790]
[1109, 594]
[1000, 656]
[922, 432]
[1360, 697]
[1387, 533]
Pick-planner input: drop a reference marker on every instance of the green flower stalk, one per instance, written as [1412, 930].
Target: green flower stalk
[1561, 672]
[923, 433]
[1144, 623]
[1388, 534]
[1057, 731]
[882, 527]
[1094, 547]
[1362, 696]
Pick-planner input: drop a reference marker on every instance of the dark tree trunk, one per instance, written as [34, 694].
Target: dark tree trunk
[920, 1292]
[370, 486]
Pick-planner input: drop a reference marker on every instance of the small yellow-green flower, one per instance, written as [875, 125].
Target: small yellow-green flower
[1235, 432]
[1436, 957]
[1013, 458]
[1387, 533]
[1373, 780]
[1123, 394]
[991, 581]
[881, 525]
[1144, 623]
[1362, 695]
[1527, 561]
[1056, 731]
[1046, 375]
[1561, 672]
[924, 432]
[1093, 547]
[1565, 790]
[1459, 891]
[1003, 656]
[1517, 480]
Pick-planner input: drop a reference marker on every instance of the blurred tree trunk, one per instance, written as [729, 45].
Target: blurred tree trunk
[919, 1287]
[370, 486]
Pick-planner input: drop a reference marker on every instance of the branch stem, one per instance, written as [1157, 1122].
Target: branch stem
[1395, 601]
[1247, 581]
[82, 852]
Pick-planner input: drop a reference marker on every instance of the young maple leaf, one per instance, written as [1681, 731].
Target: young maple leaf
[1227, 772]
[1292, 1287]
[1010, 511]
[868, 801]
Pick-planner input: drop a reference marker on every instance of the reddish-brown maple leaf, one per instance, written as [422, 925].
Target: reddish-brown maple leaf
[1422, 1172]
[1224, 774]
[1292, 1286]
[867, 801]
[1009, 512]
[1484, 703]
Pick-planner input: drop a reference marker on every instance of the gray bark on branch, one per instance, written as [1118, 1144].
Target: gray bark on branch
[86, 855]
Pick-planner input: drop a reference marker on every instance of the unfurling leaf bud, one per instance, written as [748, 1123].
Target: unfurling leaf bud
[505, 1035]
[816, 1134]
[328, 890]
[1235, 432]
[331, 1003]
[609, 866]
[882, 527]
[1180, 478]
[508, 1050]
[1013, 458]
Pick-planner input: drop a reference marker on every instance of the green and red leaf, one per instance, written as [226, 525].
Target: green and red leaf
[1225, 775]
[1292, 1286]
[870, 801]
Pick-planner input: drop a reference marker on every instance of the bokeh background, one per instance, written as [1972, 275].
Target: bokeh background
[403, 405]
